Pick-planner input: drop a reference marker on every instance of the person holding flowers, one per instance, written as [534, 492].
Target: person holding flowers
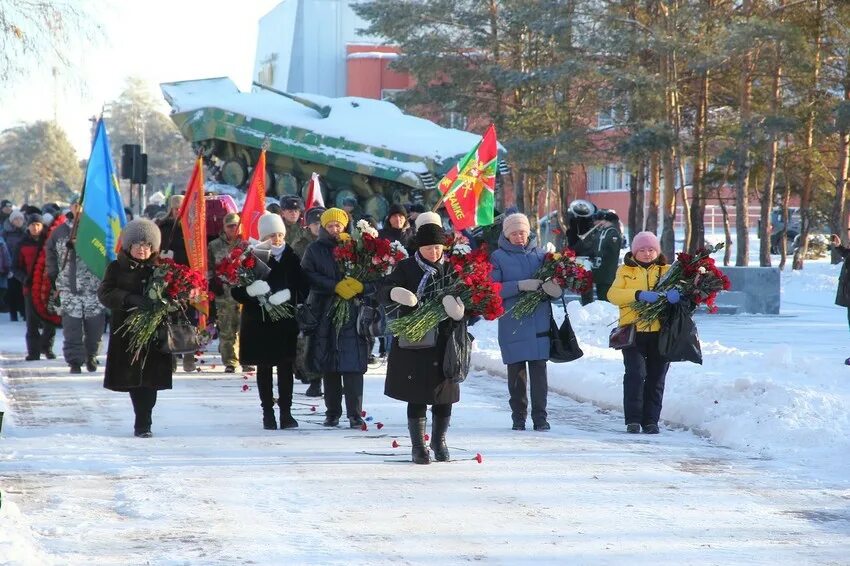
[415, 371]
[338, 352]
[524, 342]
[268, 340]
[645, 368]
[124, 291]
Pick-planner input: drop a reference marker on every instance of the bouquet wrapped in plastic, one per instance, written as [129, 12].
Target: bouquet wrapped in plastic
[366, 258]
[172, 290]
[242, 268]
[695, 277]
[560, 268]
[468, 279]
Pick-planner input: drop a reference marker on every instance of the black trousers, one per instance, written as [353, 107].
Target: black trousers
[284, 385]
[352, 385]
[40, 334]
[144, 399]
[15, 299]
[418, 410]
[643, 382]
[518, 378]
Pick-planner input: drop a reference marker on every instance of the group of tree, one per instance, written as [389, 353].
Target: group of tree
[39, 165]
[753, 95]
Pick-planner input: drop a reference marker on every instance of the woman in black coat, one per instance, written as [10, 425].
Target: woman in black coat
[842, 295]
[340, 355]
[416, 375]
[121, 291]
[266, 343]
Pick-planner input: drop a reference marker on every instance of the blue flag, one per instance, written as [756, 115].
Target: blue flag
[102, 216]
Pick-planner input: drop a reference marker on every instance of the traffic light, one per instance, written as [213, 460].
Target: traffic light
[134, 164]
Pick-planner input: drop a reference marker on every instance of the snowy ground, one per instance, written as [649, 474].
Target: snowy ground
[751, 467]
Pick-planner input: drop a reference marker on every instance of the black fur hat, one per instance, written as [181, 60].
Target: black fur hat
[429, 235]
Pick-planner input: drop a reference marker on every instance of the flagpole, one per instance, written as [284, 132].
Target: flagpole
[73, 237]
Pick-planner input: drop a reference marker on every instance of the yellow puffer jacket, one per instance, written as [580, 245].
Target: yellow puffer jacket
[632, 277]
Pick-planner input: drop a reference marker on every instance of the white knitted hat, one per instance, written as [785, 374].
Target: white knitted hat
[270, 224]
[428, 218]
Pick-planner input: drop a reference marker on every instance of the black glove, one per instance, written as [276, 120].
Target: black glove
[69, 244]
[136, 301]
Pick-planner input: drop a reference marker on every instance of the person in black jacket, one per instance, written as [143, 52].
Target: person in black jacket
[842, 295]
[416, 375]
[266, 343]
[340, 354]
[121, 291]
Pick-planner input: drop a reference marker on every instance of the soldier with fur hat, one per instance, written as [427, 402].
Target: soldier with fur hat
[123, 290]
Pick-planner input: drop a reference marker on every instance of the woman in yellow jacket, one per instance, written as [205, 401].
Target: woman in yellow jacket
[643, 382]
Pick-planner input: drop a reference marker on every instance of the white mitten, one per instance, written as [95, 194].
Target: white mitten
[403, 297]
[169, 254]
[550, 247]
[454, 307]
[280, 297]
[552, 289]
[529, 284]
[257, 288]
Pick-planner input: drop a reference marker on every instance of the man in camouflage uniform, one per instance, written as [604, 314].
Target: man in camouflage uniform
[603, 248]
[83, 317]
[228, 311]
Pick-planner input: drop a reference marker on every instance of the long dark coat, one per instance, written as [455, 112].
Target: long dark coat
[261, 341]
[124, 277]
[842, 296]
[416, 376]
[526, 339]
[327, 350]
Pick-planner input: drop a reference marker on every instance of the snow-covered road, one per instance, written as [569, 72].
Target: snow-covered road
[212, 487]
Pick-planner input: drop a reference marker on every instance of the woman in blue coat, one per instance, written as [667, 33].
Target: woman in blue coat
[524, 343]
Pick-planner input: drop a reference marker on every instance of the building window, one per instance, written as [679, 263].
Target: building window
[607, 178]
[266, 74]
[457, 120]
[389, 94]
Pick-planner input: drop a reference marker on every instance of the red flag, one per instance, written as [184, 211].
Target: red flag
[314, 193]
[469, 187]
[193, 220]
[255, 200]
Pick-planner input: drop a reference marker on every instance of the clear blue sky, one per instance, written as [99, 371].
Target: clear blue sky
[157, 40]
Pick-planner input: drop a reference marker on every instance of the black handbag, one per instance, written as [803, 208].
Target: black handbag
[563, 344]
[622, 337]
[427, 341]
[370, 321]
[307, 320]
[179, 337]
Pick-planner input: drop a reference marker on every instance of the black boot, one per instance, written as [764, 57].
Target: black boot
[264, 388]
[315, 389]
[439, 426]
[419, 452]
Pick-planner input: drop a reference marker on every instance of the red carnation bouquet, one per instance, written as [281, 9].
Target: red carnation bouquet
[468, 279]
[239, 268]
[560, 267]
[172, 289]
[697, 279]
[366, 258]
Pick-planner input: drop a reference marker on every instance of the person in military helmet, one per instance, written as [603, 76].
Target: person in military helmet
[604, 254]
[228, 310]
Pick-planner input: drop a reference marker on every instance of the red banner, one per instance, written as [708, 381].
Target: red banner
[255, 200]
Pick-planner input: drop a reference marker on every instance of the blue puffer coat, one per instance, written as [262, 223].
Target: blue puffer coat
[526, 339]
